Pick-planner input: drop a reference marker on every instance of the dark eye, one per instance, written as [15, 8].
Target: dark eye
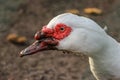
[62, 28]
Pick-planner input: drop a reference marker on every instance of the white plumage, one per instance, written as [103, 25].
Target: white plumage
[89, 38]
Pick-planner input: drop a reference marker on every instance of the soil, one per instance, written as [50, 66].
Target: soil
[25, 17]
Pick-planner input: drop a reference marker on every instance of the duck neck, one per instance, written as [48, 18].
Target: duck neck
[107, 60]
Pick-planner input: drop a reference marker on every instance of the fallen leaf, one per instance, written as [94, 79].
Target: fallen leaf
[74, 11]
[93, 11]
[21, 39]
[12, 37]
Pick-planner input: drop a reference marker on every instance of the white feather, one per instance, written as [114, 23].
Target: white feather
[105, 28]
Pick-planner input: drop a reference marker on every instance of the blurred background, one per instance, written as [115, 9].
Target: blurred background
[19, 21]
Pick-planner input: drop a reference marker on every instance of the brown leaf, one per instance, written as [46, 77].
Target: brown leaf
[21, 39]
[93, 11]
[12, 37]
[74, 11]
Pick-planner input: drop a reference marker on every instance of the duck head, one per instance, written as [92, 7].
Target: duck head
[68, 32]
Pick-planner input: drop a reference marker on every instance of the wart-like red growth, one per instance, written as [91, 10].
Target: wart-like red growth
[37, 35]
[47, 30]
[60, 31]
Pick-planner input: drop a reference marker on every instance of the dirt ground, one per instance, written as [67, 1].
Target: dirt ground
[25, 17]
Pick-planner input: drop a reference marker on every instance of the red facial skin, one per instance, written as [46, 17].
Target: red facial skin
[47, 39]
[59, 32]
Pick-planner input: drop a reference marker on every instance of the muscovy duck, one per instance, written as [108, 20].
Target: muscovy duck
[80, 34]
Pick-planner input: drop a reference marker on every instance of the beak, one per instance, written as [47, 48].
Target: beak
[43, 42]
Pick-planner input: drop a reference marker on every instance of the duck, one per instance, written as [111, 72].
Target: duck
[80, 34]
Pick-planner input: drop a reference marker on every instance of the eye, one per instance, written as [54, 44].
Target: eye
[61, 31]
[62, 28]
